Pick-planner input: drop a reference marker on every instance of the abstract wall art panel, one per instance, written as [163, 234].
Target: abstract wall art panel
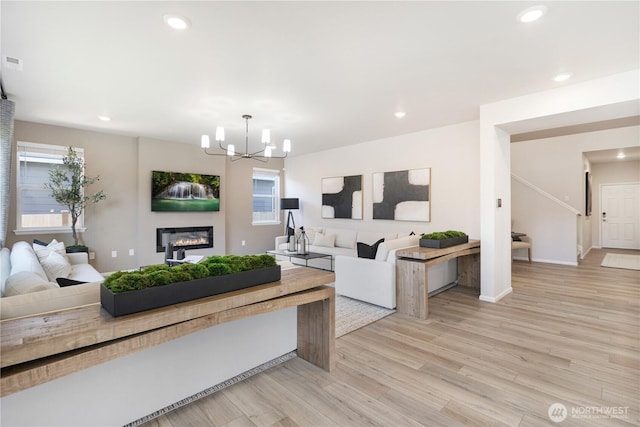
[402, 195]
[342, 197]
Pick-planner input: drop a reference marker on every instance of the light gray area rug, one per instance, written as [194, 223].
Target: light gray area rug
[352, 314]
[628, 262]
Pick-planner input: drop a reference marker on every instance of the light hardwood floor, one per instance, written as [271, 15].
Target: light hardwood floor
[565, 335]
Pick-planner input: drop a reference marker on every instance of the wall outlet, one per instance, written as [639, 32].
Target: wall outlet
[114, 254]
[244, 243]
[92, 255]
[132, 252]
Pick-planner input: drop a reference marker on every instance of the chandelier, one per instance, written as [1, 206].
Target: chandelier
[262, 155]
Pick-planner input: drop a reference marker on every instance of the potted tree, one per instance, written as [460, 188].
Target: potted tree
[67, 184]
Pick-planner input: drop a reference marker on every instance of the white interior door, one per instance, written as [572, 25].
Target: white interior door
[620, 215]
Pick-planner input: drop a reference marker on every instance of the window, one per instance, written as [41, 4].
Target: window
[37, 211]
[266, 196]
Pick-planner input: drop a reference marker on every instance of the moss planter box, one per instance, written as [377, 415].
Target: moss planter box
[443, 243]
[119, 304]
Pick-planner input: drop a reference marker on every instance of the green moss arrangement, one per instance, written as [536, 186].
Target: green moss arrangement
[441, 235]
[161, 274]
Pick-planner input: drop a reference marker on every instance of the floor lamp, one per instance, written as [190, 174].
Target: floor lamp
[290, 228]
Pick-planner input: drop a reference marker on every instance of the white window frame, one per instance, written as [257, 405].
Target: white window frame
[270, 173]
[48, 149]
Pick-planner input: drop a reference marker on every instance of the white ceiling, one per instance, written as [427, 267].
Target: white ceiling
[323, 74]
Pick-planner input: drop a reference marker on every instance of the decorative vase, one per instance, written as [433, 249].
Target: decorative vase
[291, 246]
[168, 251]
[303, 243]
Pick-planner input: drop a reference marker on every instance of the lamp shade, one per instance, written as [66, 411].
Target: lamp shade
[289, 203]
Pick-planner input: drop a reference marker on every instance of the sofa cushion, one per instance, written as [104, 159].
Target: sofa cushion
[56, 265]
[23, 258]
[368, 251]
[387, 246]
[50, 300]
[344, 238]
[85, 273]
[24, 282]
[326, 240]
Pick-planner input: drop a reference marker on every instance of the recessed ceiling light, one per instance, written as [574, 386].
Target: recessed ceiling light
[620, 156]
[104, 118]
[532, 13]
[561, 77]
[400, 114]
[177, 22]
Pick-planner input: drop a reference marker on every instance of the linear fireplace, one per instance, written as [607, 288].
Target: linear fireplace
[184, 238]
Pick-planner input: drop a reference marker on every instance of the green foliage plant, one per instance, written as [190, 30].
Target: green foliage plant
[67, 184]
[441, 235]
[161, 274]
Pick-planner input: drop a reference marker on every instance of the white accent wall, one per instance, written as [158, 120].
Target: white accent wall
[452, 153]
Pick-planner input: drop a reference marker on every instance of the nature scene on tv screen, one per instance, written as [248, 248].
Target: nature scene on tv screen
[184, 192]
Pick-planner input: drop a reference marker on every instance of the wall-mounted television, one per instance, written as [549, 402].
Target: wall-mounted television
[184, 192]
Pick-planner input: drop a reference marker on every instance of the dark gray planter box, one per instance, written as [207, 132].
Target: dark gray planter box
[444, 243]
[146, 299]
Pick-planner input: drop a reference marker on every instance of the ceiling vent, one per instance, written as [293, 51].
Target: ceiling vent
[12, 63]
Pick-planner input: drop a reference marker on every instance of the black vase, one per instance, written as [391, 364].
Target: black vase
[168, 251]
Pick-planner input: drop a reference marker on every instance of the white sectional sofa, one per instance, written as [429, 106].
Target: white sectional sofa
[368, 280]
[334, 241]
[28, 285]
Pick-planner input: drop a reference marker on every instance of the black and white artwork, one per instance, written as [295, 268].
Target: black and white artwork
[402, 195]
[342, 197]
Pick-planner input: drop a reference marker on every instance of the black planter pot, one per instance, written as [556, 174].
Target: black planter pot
[74, 249]
[443, 243]
[119, 304]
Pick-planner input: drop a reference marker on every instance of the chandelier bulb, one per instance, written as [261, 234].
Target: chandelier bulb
[219, 133]
[204, 141]
[286, 146]
[266, 136]
[231, 150]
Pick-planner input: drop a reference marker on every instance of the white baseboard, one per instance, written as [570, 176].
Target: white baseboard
[498, 297]
[553, 261]
[546, 261]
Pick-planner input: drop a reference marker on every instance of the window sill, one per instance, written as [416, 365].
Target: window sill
[47, 230]
[266, 223]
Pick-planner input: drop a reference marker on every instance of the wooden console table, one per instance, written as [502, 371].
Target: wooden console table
[37, 349]
[412, 268]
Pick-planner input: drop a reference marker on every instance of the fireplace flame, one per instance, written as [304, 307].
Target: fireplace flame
[191, 241]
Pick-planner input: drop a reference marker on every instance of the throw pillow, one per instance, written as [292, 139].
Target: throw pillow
[311, 233]
[326, 240]
[56, 265]
[368, 251]
[39, 242]
[63, 281]
[54, 246]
